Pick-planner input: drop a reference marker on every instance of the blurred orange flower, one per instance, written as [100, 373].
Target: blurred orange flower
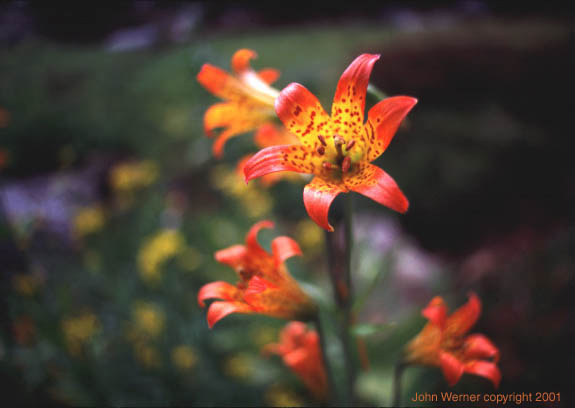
[248, 95]
[265, 285]
[443, 343]
[301, 352]
[337, 149]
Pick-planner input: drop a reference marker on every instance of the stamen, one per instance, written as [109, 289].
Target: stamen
[322, 140]
[350, 144]
[328, 165]
[338, 142]
[346, 164]
[321, 150]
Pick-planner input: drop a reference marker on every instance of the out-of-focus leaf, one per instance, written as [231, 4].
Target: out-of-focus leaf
[368, 329]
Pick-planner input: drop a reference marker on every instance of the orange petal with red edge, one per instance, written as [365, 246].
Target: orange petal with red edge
[477, 346]
[317, 198]
[252, 237]
[460, 321]
[485, 369]
[383, 121]
[284, 248]
[241, 60]
[373, 182]
[217, 290]
[219, 310]
[269, 75]
[351, 90]
[273, 159]
[436, 312]
[451, 367]
[233, 256]
[302, 114]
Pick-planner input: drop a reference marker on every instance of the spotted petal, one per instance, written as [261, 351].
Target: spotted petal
[317, 198]
[349, 100]
[383, 121]
[302, 114]
[373, 182]
[277, 158]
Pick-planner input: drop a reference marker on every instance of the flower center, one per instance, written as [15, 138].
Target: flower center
[341, 159]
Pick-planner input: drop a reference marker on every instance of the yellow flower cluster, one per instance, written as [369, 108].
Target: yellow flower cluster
[239, 366]
[157, 250]
[78, 330]
[129, 176]
[148, 320]
[88, 220]
[255, 202]
[184, 357]
[279, 396]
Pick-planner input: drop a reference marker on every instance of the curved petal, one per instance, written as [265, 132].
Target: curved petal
[217, 290]
[383, 120]
[302, 114]
[349, 100]
[276, 158]
[256, 286]
[233, 256]
[477, 346]
[269, 75]
[317, 198]
[241, 60]
[460, 321]
[284, 248]
[436, 312]
[485, 369]
[451, 367]
[219, 310]
[220, 83]
[373, 182]
[252, 237]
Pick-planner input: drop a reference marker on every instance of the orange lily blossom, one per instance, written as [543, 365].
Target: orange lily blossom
[301, 352]
[248, 95]
[265, 285]
[443, 343]
[267, 135]
[337, 150]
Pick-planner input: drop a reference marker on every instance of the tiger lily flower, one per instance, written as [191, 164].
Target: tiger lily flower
[337, 149]
[265, 285]
[444, 342]
[268, 135]
[301, 352]
[249, 98]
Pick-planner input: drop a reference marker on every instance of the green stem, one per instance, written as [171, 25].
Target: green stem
[397, 374]
[339, 245]
[326, 363]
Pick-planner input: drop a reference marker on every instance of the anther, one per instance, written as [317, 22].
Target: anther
[346, 164]
[350, 144]
[338, 142]
[320, 150]
[322, 140]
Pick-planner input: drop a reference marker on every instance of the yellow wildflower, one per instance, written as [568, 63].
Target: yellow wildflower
[279, 396]
[78, 330]
[88, 220]
[254, 201]
[129, 176]
[147, 320]
[157, 250]
[184, 357]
